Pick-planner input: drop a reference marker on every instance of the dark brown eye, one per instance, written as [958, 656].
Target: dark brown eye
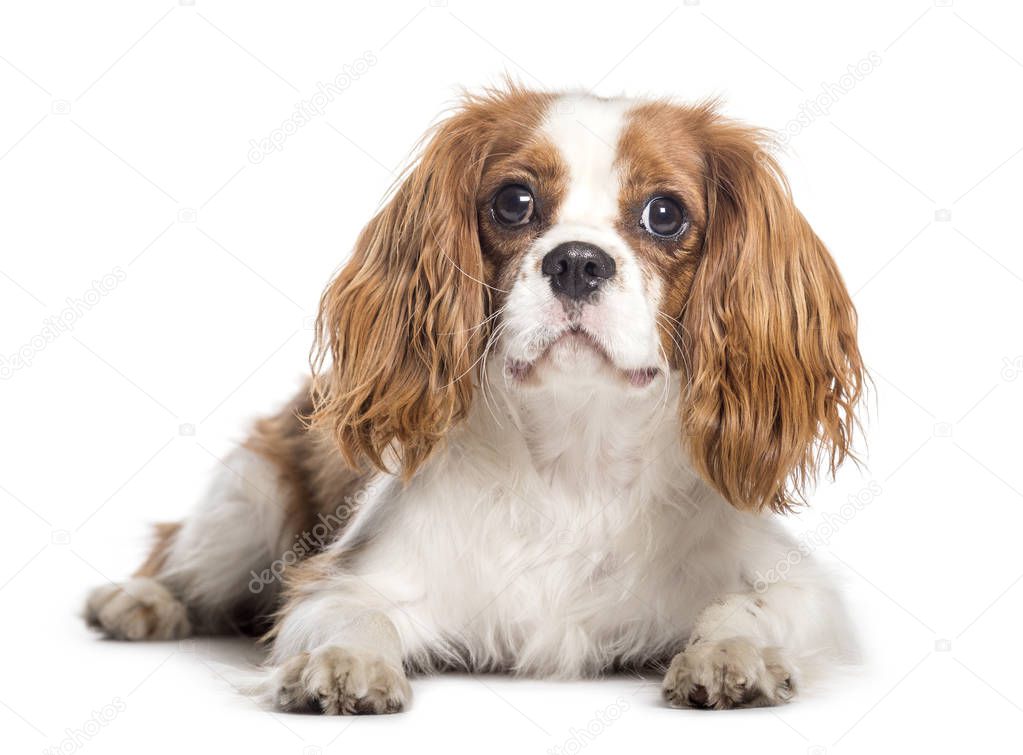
[664, 217]
[513, 205]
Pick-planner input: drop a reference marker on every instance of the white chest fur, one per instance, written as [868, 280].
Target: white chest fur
[547, 552]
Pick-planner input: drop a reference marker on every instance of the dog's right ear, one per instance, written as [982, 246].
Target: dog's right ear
[399, 321]
[399, 329]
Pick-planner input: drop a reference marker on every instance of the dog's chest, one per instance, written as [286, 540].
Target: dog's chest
[541, 575]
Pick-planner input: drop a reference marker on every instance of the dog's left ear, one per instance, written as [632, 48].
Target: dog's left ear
[775, 371]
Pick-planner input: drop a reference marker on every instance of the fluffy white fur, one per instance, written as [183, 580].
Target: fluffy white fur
[562, 542]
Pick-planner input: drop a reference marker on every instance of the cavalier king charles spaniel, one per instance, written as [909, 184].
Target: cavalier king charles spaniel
[572, 372]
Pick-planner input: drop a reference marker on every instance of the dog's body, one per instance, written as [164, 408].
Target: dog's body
[545, 517]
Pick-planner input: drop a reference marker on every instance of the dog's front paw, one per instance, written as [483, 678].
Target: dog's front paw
[139, 609]
[732, 673]
[337, 681]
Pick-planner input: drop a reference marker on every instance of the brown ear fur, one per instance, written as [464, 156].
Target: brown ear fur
[775, 371]
[401, 321]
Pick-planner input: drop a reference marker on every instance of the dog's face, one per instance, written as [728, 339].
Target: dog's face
[596, 242]
[591, 226]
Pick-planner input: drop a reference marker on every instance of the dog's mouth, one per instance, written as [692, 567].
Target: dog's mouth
[569, 350]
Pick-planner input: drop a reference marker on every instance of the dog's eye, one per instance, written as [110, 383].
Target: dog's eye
[513, 205]
[664, 217]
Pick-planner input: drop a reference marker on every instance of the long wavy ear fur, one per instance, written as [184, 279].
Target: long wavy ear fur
[399, 330]
[775, 371]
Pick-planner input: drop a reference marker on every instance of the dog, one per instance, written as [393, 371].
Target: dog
[573, 371]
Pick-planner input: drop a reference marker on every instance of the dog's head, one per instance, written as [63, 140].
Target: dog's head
[603, 242]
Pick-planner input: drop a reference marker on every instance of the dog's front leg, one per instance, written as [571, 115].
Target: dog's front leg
[750, 649]
[337, 657]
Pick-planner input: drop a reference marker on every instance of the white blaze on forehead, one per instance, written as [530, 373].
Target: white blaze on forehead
[585, 131]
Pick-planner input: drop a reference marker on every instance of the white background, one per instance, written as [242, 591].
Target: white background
[124, 142]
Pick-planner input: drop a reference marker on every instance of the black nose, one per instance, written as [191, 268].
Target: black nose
[577, 268]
